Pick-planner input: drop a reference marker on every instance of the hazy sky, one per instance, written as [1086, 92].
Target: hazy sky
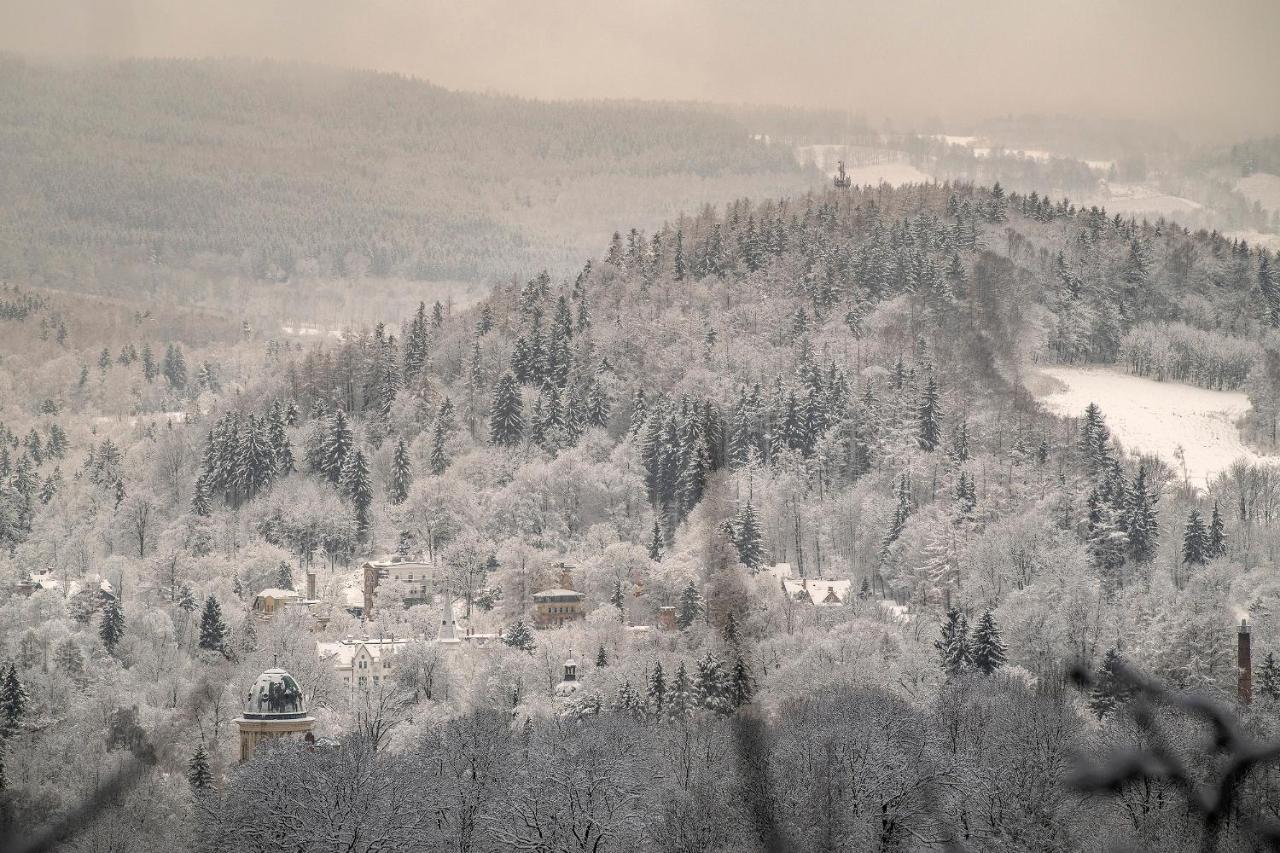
[1207, 63]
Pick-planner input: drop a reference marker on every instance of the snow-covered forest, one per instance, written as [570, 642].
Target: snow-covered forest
[753, 531]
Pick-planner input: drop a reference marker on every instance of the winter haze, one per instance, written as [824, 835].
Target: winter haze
[657, 427]
[1212, 67]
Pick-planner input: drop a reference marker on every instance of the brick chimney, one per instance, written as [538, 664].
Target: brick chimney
[311, 586]
[1244, 662]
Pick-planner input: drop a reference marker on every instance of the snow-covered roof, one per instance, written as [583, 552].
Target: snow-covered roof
[277, 593]
[779, 570]
[343, 652]
[557, 592]
[46, 581]
[821, 591]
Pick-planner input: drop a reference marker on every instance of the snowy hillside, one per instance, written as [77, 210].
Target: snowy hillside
[1156, 417]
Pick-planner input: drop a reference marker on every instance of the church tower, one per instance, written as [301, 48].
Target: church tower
[273, 709]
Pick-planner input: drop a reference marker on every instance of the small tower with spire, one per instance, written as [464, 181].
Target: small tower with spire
[448, 636]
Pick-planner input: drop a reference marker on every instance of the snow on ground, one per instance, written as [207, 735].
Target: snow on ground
[892, 168]
[1261, 187]
[1140, 198]
[308, 330]
[1155, 417]
[1255, 238]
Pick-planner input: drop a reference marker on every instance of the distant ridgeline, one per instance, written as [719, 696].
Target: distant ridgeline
[275, 171]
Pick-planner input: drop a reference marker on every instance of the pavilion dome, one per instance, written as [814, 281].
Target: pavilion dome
[275, 695]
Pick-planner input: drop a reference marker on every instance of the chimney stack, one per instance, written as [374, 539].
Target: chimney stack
[1244, 661]
[311, 586]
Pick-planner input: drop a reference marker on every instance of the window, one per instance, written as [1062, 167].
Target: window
[361, 681]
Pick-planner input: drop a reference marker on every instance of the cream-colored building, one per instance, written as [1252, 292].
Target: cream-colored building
[363, 664]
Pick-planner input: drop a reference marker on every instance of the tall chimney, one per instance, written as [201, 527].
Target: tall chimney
[311, 585]
[1244, 661]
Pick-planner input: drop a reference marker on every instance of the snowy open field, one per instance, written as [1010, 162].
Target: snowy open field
[1262, 188]
[1155, 417]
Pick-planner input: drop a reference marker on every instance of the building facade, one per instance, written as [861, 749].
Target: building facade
[363, 664]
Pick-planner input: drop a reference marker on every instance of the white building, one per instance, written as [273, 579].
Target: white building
[825, 592]
[363, 664]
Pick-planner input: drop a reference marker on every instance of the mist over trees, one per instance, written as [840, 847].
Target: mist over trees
[836, 381]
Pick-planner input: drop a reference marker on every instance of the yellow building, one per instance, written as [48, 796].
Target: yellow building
[274, 708]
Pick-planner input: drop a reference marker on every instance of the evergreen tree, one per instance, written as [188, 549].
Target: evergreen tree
[401, 474]
[200, 500]
[602, 657]
[987, 649]
[198, 773]
[1217, 535]
[1141, 522]
[357, 486]
[111, 624]
[953, 647]
[213, 631]
[175, 367]
[929, 417]
[655, 542]
[284, 576]
[1195, 541]
[1269, 677]
[747, 538]
[439, 458]
[1110, 689]
[741, 684]
[518, 636]
[617, 598]
[187, 599]
[337, 445]
[711, 685]
[13, 703]
[680, 694]
[690, 606]
[657, 692]
[506, 418]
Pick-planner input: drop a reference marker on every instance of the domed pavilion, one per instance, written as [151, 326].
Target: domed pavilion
[274, 708]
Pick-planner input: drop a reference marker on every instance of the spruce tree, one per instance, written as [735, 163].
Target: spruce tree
[401, 474]
[1217, 536]
[111, 624]
[602, 657]
[284, 576]
[357, 486]
[680, 699]
[213, 631]
[747, 538]
[690, 606]
[1141, 522]
[187, 599]
[1195, 541]
[337, 444]
[519, 636]
[929, 417]
[655, 542]
[657, 691]
[198, 772]
[741, 684]
[439, 457]
[1269, 677]
[953, 646]
[1110, 689]
[987, 649]
[506, 417]
[617, 598]
[711, 685]
[13, 703]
